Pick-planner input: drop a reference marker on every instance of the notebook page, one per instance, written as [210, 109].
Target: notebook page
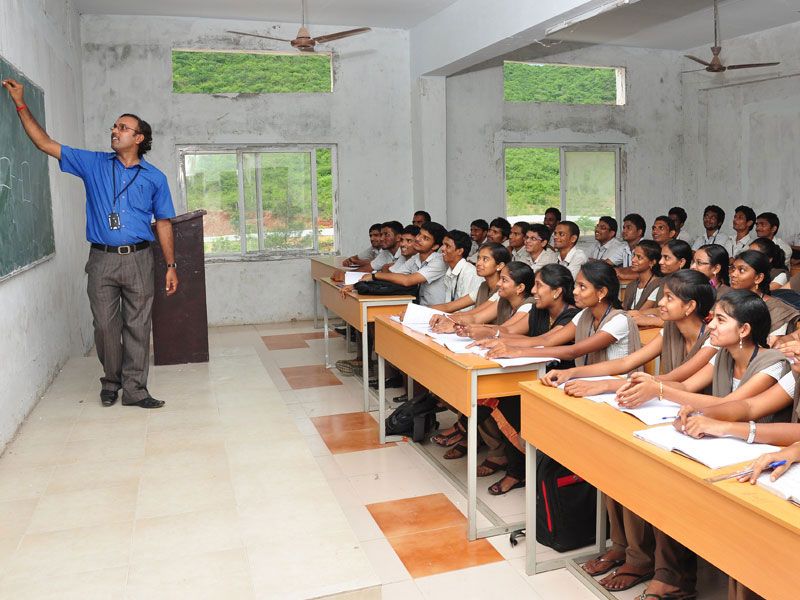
[787, 486]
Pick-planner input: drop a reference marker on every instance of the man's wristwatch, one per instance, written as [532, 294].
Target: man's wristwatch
[172, 265]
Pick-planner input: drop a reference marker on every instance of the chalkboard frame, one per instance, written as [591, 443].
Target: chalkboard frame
[35, 99]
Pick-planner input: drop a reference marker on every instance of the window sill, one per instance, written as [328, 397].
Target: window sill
[238, 258]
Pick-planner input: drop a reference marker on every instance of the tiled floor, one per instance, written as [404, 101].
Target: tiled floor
[260, 478]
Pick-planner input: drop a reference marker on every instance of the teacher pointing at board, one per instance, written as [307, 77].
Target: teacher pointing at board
[124, 193]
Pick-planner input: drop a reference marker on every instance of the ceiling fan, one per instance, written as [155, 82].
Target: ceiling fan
[716, 66]
[304, 42]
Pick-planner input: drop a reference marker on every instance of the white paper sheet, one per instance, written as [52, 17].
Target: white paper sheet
[653, 412]
[787, 486]
[419, 315]
[712, 452]
[353, 277]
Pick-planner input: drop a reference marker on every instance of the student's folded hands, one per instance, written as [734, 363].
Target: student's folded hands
[694, 424]
[639, 389]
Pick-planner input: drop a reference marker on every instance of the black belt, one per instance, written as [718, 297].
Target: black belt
[122, 249]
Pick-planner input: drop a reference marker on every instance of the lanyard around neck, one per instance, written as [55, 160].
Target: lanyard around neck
[114, 183]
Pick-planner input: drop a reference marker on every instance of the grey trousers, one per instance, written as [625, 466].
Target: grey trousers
[120, 292]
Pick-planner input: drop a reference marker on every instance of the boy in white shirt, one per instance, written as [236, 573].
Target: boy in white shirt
[516, 240]
[744, 219]
[767, 225]
[713, 218]
[367, 255]
[565, 240]
[499, 230]
[461, 280]
[478, 231]
[633, 228]
[537, 254]
[679, 216]
[606, 242]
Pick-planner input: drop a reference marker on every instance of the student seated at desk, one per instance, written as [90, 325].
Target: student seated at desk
[778, 274]
[426, 269]
[642, 293]
[514, 289]
[461, 280]
[368, 254]
[682, 346]
[751, 271]
[516, 240]
[712, 260]
[499, 230]
[601, 331]
[537, 253]
[565, 241]
[492, 258]
[633, 228]
[664, 230]
[478, 230]
[675, 255]
[554, 309]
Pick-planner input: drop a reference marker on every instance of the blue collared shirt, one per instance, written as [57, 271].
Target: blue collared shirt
[147, 197]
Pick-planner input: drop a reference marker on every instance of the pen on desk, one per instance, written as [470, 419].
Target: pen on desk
[772, 465]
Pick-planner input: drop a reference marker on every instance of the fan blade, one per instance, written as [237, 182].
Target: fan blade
[753, 65]
[342, 34]
[266, 37]
[695, 59]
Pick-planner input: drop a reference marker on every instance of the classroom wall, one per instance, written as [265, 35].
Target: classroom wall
[126, 66]
[44, 316]
[649, 126]
[742, 129]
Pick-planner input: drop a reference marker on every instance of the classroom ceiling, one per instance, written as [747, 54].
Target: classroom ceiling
[400, 14]
[679, 24]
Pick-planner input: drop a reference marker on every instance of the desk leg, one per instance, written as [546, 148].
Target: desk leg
[325, 335]
[381, 400]
[530, 509]
[365, 356]
[601, 535]
[348, 343]
[472, 461]
[410, 388]
[316, 303]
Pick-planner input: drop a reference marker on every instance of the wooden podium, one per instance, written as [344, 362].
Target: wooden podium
[180, 322]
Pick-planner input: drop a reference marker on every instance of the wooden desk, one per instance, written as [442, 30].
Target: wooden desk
[459, 379]
[747, 532]
[647, 335]
[321, 267]
[358, 311]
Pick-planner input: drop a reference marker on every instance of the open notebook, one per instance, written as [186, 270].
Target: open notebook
[787, 486]
[712, 452]
[652, 412]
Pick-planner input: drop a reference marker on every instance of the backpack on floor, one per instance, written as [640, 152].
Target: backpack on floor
[413, 418]
[566, 506]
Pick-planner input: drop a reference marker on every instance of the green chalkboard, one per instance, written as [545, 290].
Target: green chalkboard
[26, 212]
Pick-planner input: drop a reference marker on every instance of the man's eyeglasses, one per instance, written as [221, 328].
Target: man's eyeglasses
[123, 128]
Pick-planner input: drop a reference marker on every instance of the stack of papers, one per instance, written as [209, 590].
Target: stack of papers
[712, 452]
[787, 486]
[419, 315]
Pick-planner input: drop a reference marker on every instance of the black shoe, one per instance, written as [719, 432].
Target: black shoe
[145, 403]
[391, 382]
[340, 330]
[400, 399]
[108, 397]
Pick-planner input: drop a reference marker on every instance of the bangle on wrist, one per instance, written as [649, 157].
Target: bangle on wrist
[660, 390]
[751, 437]
[497, 333]
[21, 107]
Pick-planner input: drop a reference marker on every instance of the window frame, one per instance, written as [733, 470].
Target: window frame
[182, 150]
[563, 148]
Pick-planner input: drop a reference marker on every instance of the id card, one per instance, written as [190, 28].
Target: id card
[113, 220]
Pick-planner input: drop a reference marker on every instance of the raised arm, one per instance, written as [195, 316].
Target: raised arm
[35, 131]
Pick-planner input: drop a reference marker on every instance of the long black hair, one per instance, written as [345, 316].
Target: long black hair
[760, 264]
[718, 255]
[691, 285]
[521, 273]
[603, 275]
[500, 253]
[775, 253]
[681, 250]
[653, 252]
[747, 307]
[559, 277]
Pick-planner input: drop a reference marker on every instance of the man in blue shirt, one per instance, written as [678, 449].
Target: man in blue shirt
[124, 193]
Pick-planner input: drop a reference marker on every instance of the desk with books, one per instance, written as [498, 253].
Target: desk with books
[746, 531]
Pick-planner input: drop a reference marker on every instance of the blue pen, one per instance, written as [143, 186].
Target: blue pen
[773, 465]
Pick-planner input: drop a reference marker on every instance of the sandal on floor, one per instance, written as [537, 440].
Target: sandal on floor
[447, 440]
[679, 595]
[492, 466]
[609, 564]
[457, 451]
[636, 579]
[497, 490]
